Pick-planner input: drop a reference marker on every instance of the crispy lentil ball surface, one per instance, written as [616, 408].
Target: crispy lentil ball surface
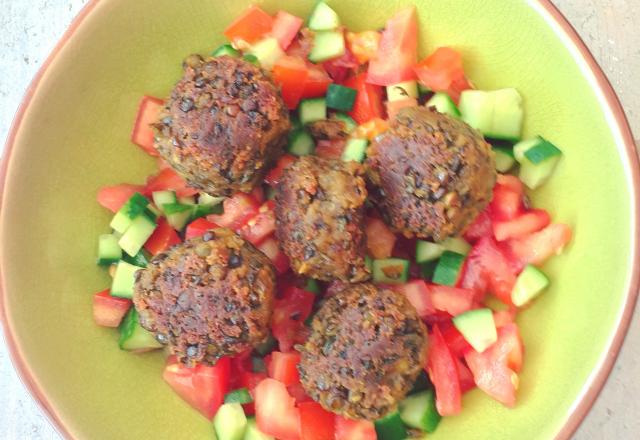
[320, 218]
[224, 125]
[209, 297]
[431, 174]
[365, 352]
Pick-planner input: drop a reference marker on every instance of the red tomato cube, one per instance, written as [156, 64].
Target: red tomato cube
[108, 310]
[284, 367]
[276, 413]
[316, 423]
[142, 133]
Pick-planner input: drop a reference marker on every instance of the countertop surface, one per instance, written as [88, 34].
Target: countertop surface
[30, 29]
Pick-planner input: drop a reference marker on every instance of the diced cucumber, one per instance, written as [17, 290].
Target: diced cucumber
[327, 45]
[153, 211]
[390, 427]
[538, 159]
[390, 271]
[323, 18]
[133, 337]
[187, 200]
[161, 198]
[478, 328]
[368, 262]
[312, 110]
[349, 123]
[206, 199]
[529, 284]
[204, 210]
[403, 90]
[419, 411]
[448, 268]
[251, 58]
[312, 286]
[427, 251]
[128, 212]
[428, 269]
[355, 150]
[505, 159]
[137, 234]
[230, 422]
[253, 433]
[109, 250]
[497, 114]
[301, 143]
[225, 49]
[267, 51]
[443, 103]
[341, 97]
[178, 215]
[124, 280]
[241, 396]
[139, 259]
[456, 244]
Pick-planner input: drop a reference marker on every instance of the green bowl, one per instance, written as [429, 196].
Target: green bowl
[71, 137]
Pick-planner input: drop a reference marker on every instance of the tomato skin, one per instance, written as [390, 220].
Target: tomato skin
[443, 372]
[317, 83]
[113, 197]
[285, 28]
[167, 179]
[347, 429]
[275, 174]
[289, 314]
[252, 24]
[291, 73]
[369, 100]
[270, 248]
[364, 45]
[198, 227]
[162, 238]
[142, 133]
[417, 292]
[330, 149]
[398, 50]
[454, 340]
[467, 382]
[283, 367]
[380, 239]
[452, 300]
[316, 423]
[238, 209]
[262, 225]
[536, 248]
[276, 413]
[340, 68]
[481, 227]
[202, 387]
[522, 225]
[508, 196]
[108, 310]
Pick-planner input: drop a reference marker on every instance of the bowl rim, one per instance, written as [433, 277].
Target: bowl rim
[572, 40]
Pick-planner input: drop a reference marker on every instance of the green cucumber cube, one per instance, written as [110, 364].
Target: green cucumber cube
[419, 411]
[478, 328]
[253, 433]
[355, 150]
[161, 198]
[323, 18]
[230, 422]
[448, 269]
[109, 250]
[427, 251]
[124, 279]
[301, 143]
[349, 123]
[390, 427]
[241, 396]
[178, 215]
[456, 244]
[538, 159]
[443, 103]
[390, 271]
[505, 159]
[529, 284]
[225, 49]
[326, 46]
[267, 51]
[341, 97]
[132, 208]
[497, 114]
[312, 110]
[137, 234]
[133, 337]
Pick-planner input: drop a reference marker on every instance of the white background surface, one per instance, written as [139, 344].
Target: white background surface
[30, 29]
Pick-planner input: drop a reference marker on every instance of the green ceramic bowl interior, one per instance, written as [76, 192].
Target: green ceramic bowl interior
[75, 139]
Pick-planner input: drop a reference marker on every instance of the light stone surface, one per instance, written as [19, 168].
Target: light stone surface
[30, 29]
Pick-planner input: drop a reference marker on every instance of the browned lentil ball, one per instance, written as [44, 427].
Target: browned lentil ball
[224, 125]
[208, 297]
[320, 218]
[431, 174]
[366, 349]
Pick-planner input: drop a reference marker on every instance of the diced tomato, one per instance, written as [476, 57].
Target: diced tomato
[507, 202]
[493, 370]
[504, 317]
[113, 197]
[317, 83]
[364, 45]
[275, 174]
[276, 413]
[452, 300]
[466, 377]
[142, 134]
[368, 103]
[398, 50]
[238, 209]
[108, 310]
[285, 28]
[261, 226]
[347, 429]
[481, 227]
[198, 227]
[537, 247]
[393, 107]
[442, 71]
[270, 248]
[252, 24]
[454, 340]
[380, 239]
[251, 380]
[291, 73]
[298, 392]
[167, 179]
[258, 194]
[289, 314]
[527, 223]
[330, 149]
[284, 367]
[443, 372]
[202, 387]
[340, 68]
[417, 293]
[316, 423]
[162, 238]
[371, 129]
[487, 267]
